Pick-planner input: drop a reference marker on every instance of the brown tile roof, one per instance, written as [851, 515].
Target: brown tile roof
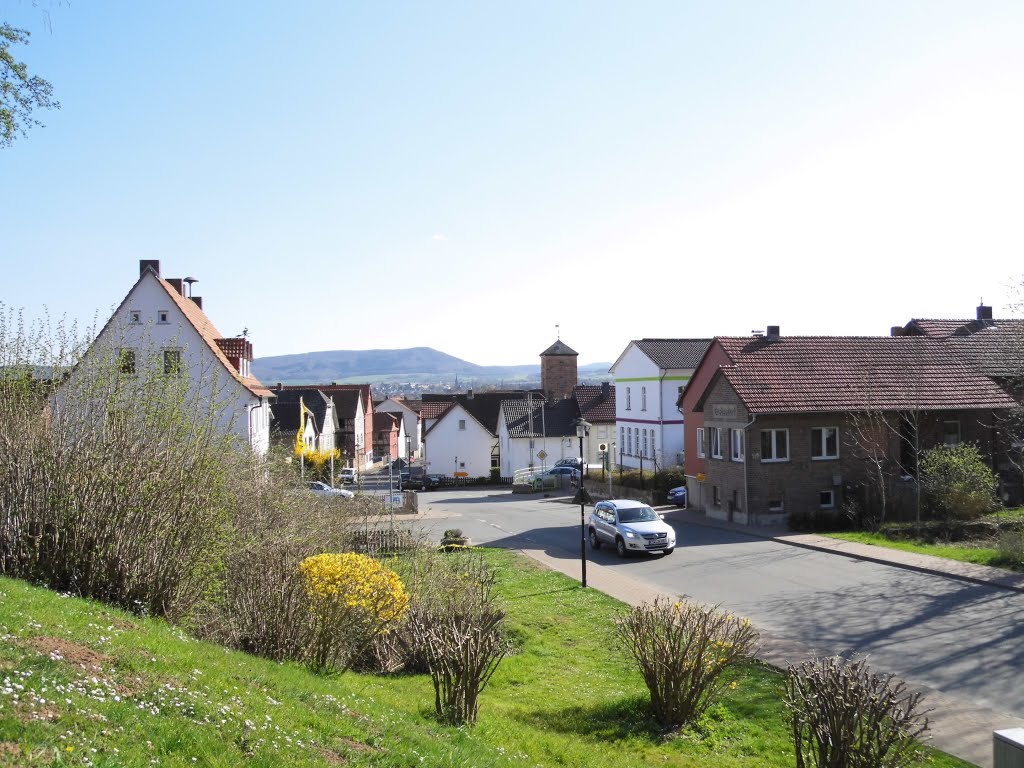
[559, 348]
[433, 409]
[995, 347]
[383, 421]
[211, 335]
[594, 404]
[803, 374]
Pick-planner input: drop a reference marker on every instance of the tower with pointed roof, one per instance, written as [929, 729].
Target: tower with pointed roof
[558, 371]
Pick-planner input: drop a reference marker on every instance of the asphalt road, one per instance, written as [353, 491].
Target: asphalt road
[965, 640]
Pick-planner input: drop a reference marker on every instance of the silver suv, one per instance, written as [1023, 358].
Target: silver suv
[630, 526]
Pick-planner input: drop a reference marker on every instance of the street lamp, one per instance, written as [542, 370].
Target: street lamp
[582, 498]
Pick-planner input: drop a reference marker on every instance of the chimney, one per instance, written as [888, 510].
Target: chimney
[896, 330]
[198, 300]
[606, 390]
[469, 394]
[772, 332]
[984, 313]
[153, 264]
[176, 284]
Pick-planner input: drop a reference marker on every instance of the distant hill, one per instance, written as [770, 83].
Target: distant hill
[415, 364]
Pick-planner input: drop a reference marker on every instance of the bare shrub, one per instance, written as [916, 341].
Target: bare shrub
[454, 630]
[1011, 548]
[845, 716]
[682, 649]
[112, 482]
[261, 604]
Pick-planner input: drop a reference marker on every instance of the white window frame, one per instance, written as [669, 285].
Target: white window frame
[737, 444]
[645, 443]
[776, 505]
[716, 442]
[819, 444]
[643, 398]
[163, 316]
[700, 443]
[774, 446]
[135, 316]
[629, 399]
[170, 355]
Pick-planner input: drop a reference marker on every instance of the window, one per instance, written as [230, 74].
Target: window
[126, 361]
[824, 443]
[135, 316]
[628, 399]
[622, 438]
[162, 316]
[643, 398]
[700, 442]
[774, 445]
[716, 442]
[653, 454]
[172, 361]
[737, 444]
[629, 441]
[645, 443]
[951, 433]
[462, 425]
[716, 496]
[775, 505]
[636, 438]
[827, 499]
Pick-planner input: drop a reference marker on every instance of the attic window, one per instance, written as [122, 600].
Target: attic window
[172, 361]
[462, 425]
[162, 315]
[135, 316]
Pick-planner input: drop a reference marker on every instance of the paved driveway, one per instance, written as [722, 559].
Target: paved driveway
[961, 642]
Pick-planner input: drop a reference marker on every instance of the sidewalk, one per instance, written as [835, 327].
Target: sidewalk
[957, 726]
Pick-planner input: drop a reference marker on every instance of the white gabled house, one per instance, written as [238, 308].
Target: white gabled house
[535, 434]
[158, 330]
[650, 374]
[458, 445]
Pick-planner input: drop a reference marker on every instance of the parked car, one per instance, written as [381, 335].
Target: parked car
[573, 462]
[430, 482]
[414, 483]
[323, 489]
[677, 496]
[629, 526]
[347, 475]
[562, 471]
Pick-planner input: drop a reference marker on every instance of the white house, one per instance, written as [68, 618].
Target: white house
[409, 441]
[533, 433]
[650, 374]
[459, 445]
[158, 330]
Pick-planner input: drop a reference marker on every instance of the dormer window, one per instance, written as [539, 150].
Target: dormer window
[162, 316]
[135, 316]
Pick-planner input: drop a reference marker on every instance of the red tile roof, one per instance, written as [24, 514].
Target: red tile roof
[211, 335]
[803, 374]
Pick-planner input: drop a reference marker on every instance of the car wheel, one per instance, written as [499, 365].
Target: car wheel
[620, 547]
[595, 543]
[669, 551]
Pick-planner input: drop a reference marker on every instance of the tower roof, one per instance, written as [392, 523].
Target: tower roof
[559, 348]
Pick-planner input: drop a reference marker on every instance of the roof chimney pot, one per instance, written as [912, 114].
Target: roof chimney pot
[896, 330]
[984, 313]
[772, 332]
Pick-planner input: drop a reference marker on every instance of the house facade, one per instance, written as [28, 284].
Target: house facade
[535, 434]
[409, 448]
[819, 425]
[158, 330]
[650, 376]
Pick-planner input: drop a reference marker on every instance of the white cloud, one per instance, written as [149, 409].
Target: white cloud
[440, 238]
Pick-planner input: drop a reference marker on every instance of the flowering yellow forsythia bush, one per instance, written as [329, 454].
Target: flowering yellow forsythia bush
[682, 649]
[352, 599]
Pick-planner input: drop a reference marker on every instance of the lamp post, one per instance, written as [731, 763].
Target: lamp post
[582, 427]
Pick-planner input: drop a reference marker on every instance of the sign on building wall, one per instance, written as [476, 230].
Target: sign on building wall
[724, 412]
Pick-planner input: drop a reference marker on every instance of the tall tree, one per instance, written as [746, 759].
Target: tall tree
[20, 92]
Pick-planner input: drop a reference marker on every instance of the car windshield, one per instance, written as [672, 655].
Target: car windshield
[637, 515]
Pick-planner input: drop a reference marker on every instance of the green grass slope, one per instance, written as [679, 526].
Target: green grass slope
[84, 684]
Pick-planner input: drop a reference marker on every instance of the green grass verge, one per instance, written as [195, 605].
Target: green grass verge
[84, 684]
[963, 552]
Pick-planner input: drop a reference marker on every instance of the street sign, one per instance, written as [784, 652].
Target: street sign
[542, 455]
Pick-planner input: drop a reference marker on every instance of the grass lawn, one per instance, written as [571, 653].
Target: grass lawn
[84, 684]
[981, 552]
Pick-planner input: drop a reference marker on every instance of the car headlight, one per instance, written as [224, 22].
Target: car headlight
[630, 535]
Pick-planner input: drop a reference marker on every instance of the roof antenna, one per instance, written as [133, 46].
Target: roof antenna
[558, 333]
[189, 280]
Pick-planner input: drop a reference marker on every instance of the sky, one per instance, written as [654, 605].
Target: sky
[469, 175]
